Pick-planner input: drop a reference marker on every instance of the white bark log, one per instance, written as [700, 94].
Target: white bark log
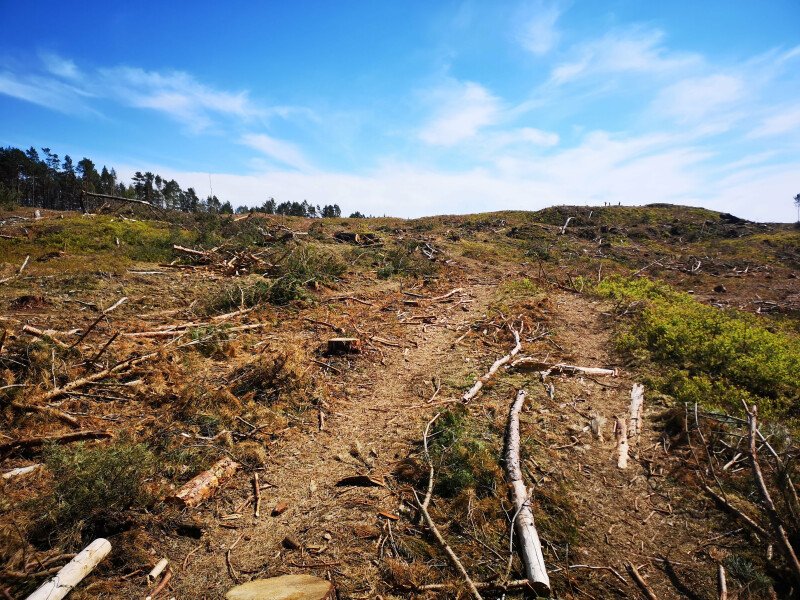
[546, 369]
[530, 548]
[621, 430]
[637, 406]
[73, 572]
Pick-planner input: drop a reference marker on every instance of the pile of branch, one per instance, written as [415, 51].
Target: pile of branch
[773, 515]
[222, 260]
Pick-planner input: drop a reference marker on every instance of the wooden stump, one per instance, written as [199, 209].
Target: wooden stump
[285, 587]
[205, 484]
[343, 345]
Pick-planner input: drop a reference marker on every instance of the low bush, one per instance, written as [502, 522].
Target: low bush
[95, 485]
[405, 261]
[707, 355]
[466, 461]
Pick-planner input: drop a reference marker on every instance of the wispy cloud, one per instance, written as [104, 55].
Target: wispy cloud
[280, 151]
[781, 122]
[697, 98]
[60, 66]
[461, 109]
[539, 33]
[48, 92]
[630, 51]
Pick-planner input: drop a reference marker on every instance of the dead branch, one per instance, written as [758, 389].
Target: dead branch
[722, 585]
[736, 512]
[77, 383]
[36, 442]
[45, 334]
[772, 513]
[494, 368]
[639, 580]
[530, 548]
[454, 560]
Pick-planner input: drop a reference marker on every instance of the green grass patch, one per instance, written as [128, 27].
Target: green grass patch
[714, 357]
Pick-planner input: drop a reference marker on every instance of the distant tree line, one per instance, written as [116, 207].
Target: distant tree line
[28, 178]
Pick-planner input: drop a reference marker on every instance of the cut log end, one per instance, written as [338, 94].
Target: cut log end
[285, 587]
[204, 485]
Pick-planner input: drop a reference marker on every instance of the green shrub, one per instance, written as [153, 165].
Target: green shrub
[465, 460]
[95, 484]
[715, 357]
[406, 260]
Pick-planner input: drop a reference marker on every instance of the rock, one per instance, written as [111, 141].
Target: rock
[285, 587]
[720, 289]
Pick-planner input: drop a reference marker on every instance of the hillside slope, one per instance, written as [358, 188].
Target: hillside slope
[226, 338]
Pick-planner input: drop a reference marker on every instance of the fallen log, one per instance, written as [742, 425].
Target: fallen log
[73, 572]
[204, 485]
[529, 546]
[36, 442]
[637, 406]
[473, 391]
[621, 431]
[296, 587]
[528, 362]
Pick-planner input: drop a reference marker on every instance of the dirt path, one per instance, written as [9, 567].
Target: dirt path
[377, 423]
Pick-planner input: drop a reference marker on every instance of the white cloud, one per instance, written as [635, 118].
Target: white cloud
[59, 66]
[47, 92]
[539, 34]
[602, 167]
[176, 94]
[781, 122]
[279, 150]
[696, 98]
[461, 110]
[634, 50]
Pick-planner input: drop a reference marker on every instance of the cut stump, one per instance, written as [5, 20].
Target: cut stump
[343, 345]
[285, 587]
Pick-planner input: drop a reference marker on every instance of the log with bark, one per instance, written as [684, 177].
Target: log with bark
[205, 485]
[529, 546]
[73, 572]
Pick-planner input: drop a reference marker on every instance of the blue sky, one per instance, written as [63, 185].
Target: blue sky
[412, 108]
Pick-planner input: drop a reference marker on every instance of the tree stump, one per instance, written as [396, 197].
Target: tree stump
[285, 587]
[343, 345]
